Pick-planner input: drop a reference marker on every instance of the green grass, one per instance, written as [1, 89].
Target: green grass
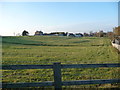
[50, 49]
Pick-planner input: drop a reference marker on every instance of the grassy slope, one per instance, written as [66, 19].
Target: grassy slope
[67, 50]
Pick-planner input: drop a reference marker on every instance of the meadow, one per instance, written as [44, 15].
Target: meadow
[22, 50]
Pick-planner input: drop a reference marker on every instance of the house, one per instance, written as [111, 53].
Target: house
[78, 35]
[58, 33]
[38, 33]
[75, 35]
[47, 34]
[70, 34]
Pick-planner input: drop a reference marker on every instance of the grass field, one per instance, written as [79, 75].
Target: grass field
[67, 50]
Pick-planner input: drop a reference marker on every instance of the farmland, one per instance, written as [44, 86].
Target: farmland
[35, 50]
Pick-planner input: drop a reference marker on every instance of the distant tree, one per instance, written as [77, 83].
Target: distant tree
[86, 34]
[101, 33]
[96, 34]
[116, 31]
[18, 34]
[110, 35]
[25, 33]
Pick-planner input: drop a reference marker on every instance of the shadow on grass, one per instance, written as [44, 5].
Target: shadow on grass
[42, 44]
[83, 41]
[21, 41]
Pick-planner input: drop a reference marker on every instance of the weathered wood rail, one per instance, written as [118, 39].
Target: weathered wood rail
[58, 83]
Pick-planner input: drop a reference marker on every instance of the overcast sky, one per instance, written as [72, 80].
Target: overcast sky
[57, 16]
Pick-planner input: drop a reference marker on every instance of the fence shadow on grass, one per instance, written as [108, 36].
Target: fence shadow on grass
[21, 41]
[36, 44]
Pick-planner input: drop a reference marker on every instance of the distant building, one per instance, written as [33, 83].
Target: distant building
[75, 35]
[78, 35]
[38, 33]
[58, 33]
[47, 34]
[70, 34]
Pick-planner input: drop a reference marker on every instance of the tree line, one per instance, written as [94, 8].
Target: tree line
[112, 35]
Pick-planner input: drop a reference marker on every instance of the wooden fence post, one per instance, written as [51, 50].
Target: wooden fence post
[57, 76]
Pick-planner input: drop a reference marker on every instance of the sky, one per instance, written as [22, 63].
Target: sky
[57, 17]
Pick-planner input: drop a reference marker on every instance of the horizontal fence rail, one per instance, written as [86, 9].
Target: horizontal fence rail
[85, 82]
[88, 65]
[65, 83]
[15, 67]
[37, 84]
[57, 75]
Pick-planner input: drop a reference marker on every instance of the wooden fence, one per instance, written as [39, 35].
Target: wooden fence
[58, 83]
